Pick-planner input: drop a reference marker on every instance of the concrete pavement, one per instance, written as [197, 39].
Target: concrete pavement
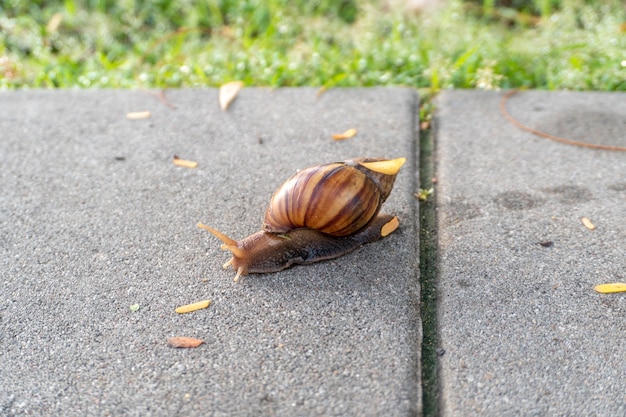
[523, 331]
[95, 217]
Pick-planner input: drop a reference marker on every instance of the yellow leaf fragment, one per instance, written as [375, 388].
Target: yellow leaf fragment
[389, 227]
[423, 194]
[184, 163]
[54, 22]
[136, 115]
[350, 133]
[610, 288]
[228, 93]
[184, 342]
[388, 167]
[193, 307]
[587, 223]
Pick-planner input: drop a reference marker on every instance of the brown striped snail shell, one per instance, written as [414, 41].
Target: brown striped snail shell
[320, 213]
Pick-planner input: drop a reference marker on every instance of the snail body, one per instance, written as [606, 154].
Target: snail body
[319, 213]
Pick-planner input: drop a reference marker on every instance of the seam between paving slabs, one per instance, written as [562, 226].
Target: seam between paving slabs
[428, 275]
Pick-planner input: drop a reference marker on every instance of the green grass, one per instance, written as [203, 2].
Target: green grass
[547, 44]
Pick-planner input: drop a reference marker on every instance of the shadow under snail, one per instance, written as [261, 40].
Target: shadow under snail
[320, 213]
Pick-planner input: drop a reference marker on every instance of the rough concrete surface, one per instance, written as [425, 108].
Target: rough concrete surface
[524, 332]
[95, 217]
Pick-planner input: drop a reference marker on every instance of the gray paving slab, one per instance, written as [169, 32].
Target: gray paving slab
[95, 218]
[523, 331]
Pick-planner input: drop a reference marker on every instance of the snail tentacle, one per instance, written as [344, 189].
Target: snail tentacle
[239, 272]
[221, 236]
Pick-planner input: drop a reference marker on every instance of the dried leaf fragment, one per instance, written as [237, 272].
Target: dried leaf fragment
[228, 93]
[587, 223]
[610, 288]
[184, 342]
[136, 115]
[54, 22]
[387, 167]
[184, 162]
[350, 133]
[193, 307]
[389, 227]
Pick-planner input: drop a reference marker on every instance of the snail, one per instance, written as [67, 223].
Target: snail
[319, 213]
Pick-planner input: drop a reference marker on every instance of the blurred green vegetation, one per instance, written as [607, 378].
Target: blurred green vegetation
[547, 44]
